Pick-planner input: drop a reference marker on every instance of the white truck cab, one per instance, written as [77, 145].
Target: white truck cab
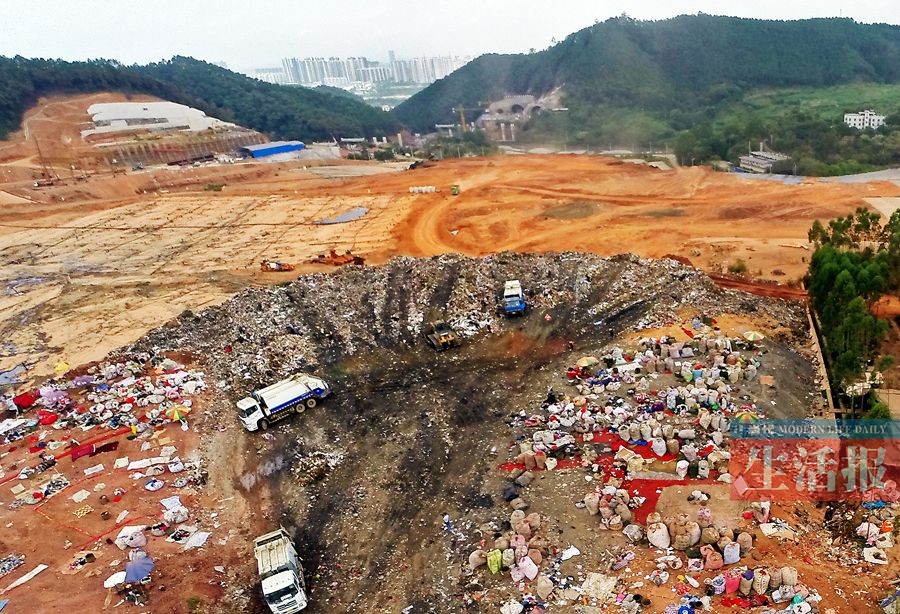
[280, 572]
[281, 399]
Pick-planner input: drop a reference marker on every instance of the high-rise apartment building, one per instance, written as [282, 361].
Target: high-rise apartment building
[337, 71]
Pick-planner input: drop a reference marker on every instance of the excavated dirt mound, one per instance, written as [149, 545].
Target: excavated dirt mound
[411, 434]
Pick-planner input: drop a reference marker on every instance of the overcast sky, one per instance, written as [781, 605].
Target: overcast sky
[255, 33]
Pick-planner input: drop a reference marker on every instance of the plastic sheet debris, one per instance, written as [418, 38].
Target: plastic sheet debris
[197, 540]
[348, 216]
[27, 577]
[569, 552]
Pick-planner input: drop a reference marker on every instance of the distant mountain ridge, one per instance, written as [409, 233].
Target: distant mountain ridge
[672, 66]
[281, 112]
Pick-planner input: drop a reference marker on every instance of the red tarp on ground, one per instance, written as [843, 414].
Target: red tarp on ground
[645, 487]
[25, 400]
[648, 488]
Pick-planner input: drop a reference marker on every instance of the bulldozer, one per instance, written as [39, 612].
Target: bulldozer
[440, 336]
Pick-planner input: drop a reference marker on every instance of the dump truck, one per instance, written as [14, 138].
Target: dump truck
[441, 336]
[280, 572]
[281, 399]
[513, 299]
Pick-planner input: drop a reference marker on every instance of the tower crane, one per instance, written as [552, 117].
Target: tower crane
[462, 115]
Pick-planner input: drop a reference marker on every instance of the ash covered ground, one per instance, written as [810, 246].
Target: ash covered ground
[410, 434]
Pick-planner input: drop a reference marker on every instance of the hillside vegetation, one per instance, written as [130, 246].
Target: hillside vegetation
[715, 82]
[280, 112]
[856, 261]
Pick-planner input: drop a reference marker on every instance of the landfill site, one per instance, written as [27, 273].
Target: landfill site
[502, 384]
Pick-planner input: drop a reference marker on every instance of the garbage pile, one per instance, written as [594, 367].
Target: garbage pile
[266, 333]
[666, 404]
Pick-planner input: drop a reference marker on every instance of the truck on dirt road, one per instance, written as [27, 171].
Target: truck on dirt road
[440, 336]
[281, 399]
[513, 299]
[280, 572]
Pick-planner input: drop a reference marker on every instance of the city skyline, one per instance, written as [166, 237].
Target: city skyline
[341, 72]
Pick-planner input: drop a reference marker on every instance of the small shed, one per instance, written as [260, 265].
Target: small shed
[271, 149]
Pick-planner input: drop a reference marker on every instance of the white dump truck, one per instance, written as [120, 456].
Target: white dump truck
[272, 403]
[280, 572]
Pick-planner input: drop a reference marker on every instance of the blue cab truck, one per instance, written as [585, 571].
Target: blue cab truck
[513, 299]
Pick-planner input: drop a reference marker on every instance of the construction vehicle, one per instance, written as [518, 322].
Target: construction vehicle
[280, 572]
[273, 266]
[513, 299]
[335, 259]
[441, 336]
[454, 190]
[281, 399]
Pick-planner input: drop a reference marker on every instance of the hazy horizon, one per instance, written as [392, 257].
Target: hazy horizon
[258, 34]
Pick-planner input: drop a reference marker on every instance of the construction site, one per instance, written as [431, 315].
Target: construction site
[409, 487]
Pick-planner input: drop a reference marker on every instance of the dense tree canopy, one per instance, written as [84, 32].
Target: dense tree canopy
[280, 112]
[857, 260]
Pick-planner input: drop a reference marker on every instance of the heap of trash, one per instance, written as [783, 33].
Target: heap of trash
[267, 333]
[634, 421]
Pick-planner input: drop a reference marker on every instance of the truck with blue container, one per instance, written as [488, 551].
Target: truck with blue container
[281, 399]
[513, 299]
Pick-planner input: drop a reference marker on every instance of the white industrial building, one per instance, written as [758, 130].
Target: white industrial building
[864, 119]
[112, 117]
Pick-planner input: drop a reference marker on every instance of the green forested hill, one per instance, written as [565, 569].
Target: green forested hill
[635, 82]
[280, 112]
[673, 64]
